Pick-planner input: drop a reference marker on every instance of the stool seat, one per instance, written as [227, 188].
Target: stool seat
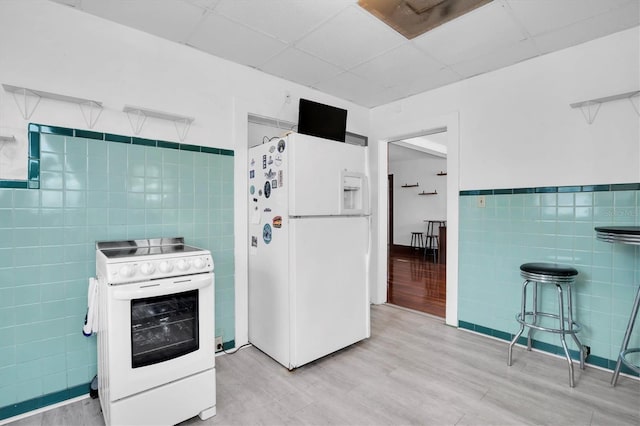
[553, 269]
[548, 272]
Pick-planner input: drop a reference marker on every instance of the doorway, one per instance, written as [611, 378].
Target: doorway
[417, 196]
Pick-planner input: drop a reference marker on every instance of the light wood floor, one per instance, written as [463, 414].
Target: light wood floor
[417, 283]
[413, 370]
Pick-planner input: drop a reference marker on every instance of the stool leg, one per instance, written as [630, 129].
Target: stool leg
[570, 322]
[627, 337]
[523, 308]
[562, 334]
[534, 314]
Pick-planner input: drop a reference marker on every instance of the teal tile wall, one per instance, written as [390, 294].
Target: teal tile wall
[550, 225]
[95, 189]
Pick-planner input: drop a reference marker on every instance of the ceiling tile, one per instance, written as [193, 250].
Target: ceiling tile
[392, 68]
[467, 37]
[221, 37]
[351, 87]
[432, 80]
[350, 38]
[286, 20]
[497, 59]
[203, 4]
[542, 16]
[589, 29]
[170, 19]
[300, 67]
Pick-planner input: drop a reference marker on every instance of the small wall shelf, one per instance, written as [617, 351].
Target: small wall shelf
[428, 193]
[7, 138]
[591, 107]
[441, 174]
[137, 117]
[28, 100]
[409, 186]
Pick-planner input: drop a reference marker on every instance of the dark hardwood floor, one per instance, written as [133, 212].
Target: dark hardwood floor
[415, 283]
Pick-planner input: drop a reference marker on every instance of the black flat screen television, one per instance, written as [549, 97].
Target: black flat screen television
[323, 121]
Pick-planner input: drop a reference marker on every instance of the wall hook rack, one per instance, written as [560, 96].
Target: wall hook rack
[406, 185]
[591, 107]
[138, 116]
[441, 174]
[429, 193]
[28, 100]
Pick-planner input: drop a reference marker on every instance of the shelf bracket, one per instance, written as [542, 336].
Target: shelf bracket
[591, 107]
[137, 117]
[635, 104]
[26, 100]
[91, 111]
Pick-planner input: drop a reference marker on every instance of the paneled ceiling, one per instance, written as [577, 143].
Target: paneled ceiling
[339, 48]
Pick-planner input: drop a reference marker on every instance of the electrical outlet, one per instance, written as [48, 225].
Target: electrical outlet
[481, 201]
[587, 351]
[219, 343]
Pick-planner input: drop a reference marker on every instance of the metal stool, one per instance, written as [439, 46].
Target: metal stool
[549, 273]
[417, 240]
[432, 239]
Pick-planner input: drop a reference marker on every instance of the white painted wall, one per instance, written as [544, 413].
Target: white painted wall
[516, 129]
[54, 48]
[410, 210]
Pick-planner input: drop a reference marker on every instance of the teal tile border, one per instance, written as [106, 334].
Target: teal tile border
[33, 164]
[545, 347]
[228, 345]
[555, 189]
[43, 401]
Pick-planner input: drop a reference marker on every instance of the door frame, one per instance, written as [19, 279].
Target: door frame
[390, 210]
[379, 272]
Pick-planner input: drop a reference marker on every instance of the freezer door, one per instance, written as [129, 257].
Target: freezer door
[329, 290]
[316, 172]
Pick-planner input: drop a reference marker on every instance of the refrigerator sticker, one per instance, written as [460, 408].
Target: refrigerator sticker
[278, 160]
[272, 148]
[264, 161]
[274, 184]
[252, 174]
[253, 250]
[281, 145]
[253, 162]
[270, 162]
[267, 189]
[266, 233]
[267, 210]
[270, 174]
[252, 189]
[260, 192]
[255, 216]
[280, 179]
[277, 222]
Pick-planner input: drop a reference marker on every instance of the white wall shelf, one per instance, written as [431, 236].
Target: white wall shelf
[591, 107]
[28, 100]
[7, 138]
[138, 117]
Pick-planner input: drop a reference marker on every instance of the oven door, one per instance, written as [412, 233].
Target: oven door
[159, 331]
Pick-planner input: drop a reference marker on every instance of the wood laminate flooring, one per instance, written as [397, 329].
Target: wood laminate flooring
[413, 370]
[416, 283]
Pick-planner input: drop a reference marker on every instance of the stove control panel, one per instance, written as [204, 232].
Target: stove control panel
[147, 269]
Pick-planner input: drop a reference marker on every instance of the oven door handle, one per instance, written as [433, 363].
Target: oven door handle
[163, 287]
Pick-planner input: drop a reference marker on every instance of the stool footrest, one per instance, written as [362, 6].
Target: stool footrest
[625, 361]
[573, 329]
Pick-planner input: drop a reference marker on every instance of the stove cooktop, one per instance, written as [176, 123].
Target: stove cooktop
[137, 248]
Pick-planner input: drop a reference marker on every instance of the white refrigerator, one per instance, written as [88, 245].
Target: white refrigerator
[308, 248]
